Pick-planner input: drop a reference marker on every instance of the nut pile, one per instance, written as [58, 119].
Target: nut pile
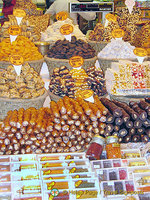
[22, 46]
[128, 21]
[26, 29]
[63, 49]
[66, 126]
[40, 23]
[96, 80]
[26, 86]
[29, 7]
[97, 33]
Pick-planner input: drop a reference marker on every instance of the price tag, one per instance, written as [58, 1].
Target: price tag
[71, 163]
[77, 176]
[130, 4]
[19, 13]
[17, 61]
[86, 95]
[79, 194]
[78, 183]
[68, 157]
[76, 61]
[118, 33]
[14, 30]
[140, 54]
[72, 170]
[66, 30]
[61, 16]
[111, 18]
[50, 185]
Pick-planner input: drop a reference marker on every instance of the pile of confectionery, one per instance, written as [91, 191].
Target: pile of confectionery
[128, 122]
[63, 49]
[66, 126]
[28, 6]
[128, 78]
[27, 30]
[70, 124]
[117, 49]
[65, 83]
[52, 33]
[25, 86]
[22, 46]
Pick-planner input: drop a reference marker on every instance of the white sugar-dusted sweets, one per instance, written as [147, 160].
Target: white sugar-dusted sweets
[52, 33]
[117, 49]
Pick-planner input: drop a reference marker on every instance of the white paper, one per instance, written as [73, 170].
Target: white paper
[68, 37]
[97, 65]
[18, 69]
[106, 23]
[130, 4]
[140, 59]
[19, 19]
[13, 38]
[119, 38]
[77, 68]
[90, 99]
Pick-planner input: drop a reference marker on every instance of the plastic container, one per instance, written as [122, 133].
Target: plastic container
[95, 148]
[113, 147]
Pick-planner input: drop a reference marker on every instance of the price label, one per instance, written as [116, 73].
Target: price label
[14, 30]
[72, 170]
[110, 17]
[16, 60]
[79, 194]
[61, 16]
[19, 13]
[66, 29]
[76, 61]
[77, 176]
[84, 94]
[140, 52]
[118, 33]
[50, 185]
[78, 183]
[68, 157]
[71, 163]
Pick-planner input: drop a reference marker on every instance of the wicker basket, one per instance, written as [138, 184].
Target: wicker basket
[36, 64]
[97, 46]
[106, 63]
[52, 63]
[53, 97]
[127, 99]
[12, 104]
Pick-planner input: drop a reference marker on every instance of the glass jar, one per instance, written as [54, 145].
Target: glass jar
[95, 148]
[113, 147]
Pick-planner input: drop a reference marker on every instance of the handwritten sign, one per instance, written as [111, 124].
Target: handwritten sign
[14, 30]
[16, 60]
[118, 33]
[66, 29]
[76, 61]
[140, 52]
[61, 16]
[19, 13]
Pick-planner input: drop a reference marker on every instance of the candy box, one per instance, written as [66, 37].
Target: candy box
[138, 169]
[130, 153]
[23, 166]
[5, 196]
[134, 162]
[23, 158]
[26, 175]
[5, 177]
[5, 187]
[4, 159]
[141, 179]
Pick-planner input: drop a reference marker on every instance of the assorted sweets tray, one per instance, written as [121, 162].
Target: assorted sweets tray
[47, 176]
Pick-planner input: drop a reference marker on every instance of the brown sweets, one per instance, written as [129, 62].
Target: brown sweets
[63, 49]
[97, 33]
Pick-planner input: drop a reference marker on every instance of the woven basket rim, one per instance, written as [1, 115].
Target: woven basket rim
[24, 100]
[32, 61]
[116, 59]
[66, 60]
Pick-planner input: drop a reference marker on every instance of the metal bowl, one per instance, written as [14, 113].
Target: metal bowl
[43, 47]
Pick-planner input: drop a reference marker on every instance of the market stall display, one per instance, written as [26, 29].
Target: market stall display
[24, 47]
[52, 33]
[63, 50]
[128, 79]
[66, 82]
[114, 51]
